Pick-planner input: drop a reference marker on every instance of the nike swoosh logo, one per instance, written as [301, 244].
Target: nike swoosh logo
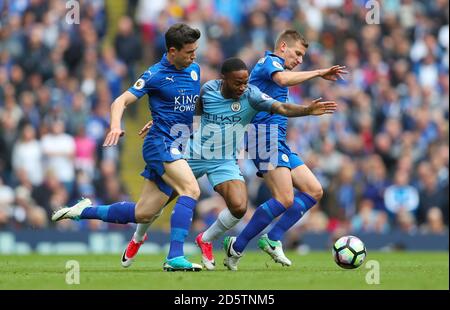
[63, 215]
[272, 247]
[228, 250]
[124, 259]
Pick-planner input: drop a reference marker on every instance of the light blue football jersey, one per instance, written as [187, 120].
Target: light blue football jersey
[224, 121]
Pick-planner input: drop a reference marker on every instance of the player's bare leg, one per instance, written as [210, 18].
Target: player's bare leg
[305, 181]
[263, 216]
[150, 202]
[148, 208]
[279, 182]
[179, 176]
[140, 235]
[234, 193]
[141, 228]
[310, 191]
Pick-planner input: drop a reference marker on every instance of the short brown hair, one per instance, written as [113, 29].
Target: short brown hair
[291, 36]
[180, 34]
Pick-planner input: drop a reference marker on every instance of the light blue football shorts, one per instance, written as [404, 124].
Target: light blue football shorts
[217, 171]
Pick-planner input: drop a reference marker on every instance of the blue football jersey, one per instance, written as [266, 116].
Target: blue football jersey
[172, 95]
[261, 77]
[224, 121]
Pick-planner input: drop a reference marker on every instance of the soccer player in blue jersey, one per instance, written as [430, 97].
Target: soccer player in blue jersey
[272, 75]
[227, 106]
[173, 86]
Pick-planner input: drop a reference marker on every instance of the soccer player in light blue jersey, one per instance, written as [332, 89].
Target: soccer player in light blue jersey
[227, 106]
[272, 76]
[173, 86]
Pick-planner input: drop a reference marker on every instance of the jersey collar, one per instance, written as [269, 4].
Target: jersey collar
[271, 54]
[165, 62]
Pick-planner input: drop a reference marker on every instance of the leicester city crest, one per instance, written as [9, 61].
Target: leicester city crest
[194, 75]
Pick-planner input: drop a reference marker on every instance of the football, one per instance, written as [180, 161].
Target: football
[349, 252]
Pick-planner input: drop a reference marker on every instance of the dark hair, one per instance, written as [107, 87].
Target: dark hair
[180, 34]
[290, 36]
[233, 64]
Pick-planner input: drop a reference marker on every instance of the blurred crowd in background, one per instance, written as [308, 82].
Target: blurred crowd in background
[382, 158]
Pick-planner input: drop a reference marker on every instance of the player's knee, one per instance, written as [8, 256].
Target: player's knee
[238, 208]
[286, 199]
[317, 193]
[192, 191]
[145, 216]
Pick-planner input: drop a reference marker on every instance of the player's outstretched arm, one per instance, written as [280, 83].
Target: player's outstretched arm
[288, 78]
[117, 108]
[333, 73]
[316, 107]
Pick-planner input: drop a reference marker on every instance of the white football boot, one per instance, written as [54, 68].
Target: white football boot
[72, 213]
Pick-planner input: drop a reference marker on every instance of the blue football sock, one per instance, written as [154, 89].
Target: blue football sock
[119, 212]
[262, 217]
[302, 203]
[180, 222]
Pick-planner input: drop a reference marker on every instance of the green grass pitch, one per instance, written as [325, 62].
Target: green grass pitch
[317, 270]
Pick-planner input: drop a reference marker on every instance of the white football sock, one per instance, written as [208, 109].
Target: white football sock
[224, 222]
[141, 228]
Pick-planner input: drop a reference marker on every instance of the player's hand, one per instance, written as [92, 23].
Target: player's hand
[318, 107]
[145, 129]
[333, 73]
[112, 138]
